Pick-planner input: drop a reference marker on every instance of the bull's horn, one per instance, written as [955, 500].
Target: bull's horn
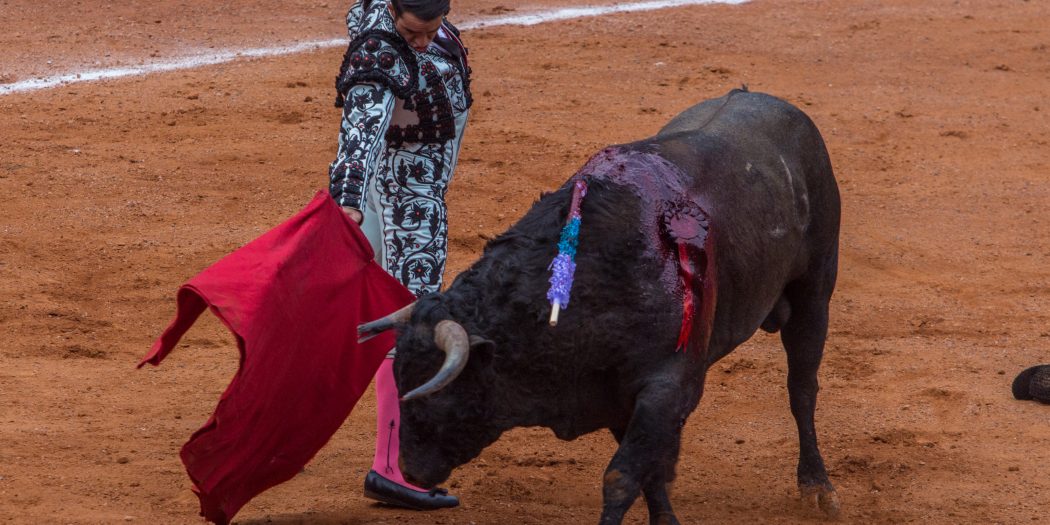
[374, 328]
[452, 339]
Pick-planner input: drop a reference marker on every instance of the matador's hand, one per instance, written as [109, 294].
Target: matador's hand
[354, 214]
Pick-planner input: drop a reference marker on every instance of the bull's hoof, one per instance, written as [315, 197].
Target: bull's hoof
[1033, 383]
[664, 518]
[821, 498]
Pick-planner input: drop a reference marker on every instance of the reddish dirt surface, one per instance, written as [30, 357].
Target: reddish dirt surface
[936, 117]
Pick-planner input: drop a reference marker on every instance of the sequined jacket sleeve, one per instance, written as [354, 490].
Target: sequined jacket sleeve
[367, 112]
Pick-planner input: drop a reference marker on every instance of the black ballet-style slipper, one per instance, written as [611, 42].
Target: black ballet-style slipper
[385, 491]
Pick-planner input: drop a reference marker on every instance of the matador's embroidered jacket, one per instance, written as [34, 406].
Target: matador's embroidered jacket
[404, 113]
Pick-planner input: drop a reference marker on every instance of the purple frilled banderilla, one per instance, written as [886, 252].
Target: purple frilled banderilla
[564, 264]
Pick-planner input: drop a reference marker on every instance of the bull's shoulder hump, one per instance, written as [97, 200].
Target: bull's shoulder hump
[734, 109]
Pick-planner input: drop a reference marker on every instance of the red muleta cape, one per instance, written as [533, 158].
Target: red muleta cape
[293, 299]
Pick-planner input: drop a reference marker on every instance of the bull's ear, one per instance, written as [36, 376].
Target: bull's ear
[481, 351]
[480, 344]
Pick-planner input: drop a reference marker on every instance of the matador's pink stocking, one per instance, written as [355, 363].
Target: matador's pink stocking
[388, 422]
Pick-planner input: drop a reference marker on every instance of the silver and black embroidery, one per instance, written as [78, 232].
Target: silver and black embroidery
[382, 57]
[399, 143]
[368, 113]
[449, 40]
[413, 193]
[378, 54]
[434, 109]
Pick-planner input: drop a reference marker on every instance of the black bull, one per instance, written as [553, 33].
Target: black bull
[732, 206]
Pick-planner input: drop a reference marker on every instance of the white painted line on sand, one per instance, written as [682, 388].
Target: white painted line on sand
[187, 62]
[209, 59]
[569, 13]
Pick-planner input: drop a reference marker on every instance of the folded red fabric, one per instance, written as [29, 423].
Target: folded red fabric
[293, 299]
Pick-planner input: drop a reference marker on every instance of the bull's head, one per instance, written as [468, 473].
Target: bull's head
[446, 408]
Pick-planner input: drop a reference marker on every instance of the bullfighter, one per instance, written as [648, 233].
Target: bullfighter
[404, 86]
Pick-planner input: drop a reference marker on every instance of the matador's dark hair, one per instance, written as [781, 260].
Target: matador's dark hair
[423, 9]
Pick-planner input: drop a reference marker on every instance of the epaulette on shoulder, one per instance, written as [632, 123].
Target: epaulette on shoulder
[452, 28]
[382, 57]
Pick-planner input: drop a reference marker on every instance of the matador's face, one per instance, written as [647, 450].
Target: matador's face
[417, 32]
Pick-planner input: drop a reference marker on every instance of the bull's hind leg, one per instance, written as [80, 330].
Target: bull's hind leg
[803, 336]
[648, 453]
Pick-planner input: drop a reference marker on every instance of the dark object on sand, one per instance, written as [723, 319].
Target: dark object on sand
[1033, 383]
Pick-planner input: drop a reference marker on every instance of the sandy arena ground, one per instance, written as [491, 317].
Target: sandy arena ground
[937, 120]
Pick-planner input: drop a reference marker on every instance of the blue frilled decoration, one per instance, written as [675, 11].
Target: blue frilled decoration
[563, 266]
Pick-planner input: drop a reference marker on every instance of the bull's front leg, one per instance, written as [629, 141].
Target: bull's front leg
[648, 453]
[657, 496]
[658, 500]
[803, 337]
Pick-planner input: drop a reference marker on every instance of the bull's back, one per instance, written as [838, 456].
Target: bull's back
[757, 161]
[762, 174]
